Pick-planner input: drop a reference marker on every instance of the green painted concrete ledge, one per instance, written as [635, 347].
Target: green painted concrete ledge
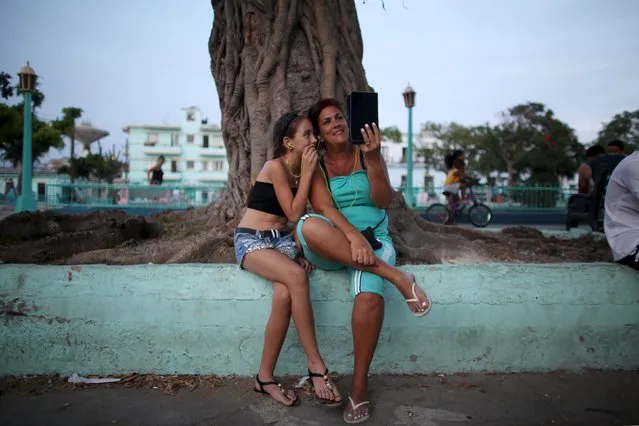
[208, 319]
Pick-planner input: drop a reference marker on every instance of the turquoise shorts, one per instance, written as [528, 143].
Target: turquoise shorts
[360, 282]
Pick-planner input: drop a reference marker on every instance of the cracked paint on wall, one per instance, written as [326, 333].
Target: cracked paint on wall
[209, 319]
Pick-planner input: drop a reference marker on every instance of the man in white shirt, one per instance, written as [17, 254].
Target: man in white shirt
[621, 221]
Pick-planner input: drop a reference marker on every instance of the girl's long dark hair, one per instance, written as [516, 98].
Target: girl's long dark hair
[285, 127]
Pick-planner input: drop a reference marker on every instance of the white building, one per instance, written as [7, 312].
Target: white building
[395, 155]
[194, 151]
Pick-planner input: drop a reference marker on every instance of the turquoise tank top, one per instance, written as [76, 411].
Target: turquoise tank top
[352, 195]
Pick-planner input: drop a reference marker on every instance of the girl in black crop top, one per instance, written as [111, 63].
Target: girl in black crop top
[264, 246]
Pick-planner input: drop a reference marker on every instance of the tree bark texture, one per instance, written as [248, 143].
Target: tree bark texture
[269, 57]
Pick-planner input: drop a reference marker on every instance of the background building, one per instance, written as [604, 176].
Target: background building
[193, 149]
[394, 154]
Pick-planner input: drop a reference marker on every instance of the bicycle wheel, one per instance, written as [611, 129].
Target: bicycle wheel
[480, 215]
[437, 213]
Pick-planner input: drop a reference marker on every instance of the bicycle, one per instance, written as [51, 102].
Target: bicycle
[479, 213]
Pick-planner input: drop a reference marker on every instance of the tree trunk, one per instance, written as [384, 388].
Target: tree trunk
[512, 178]
[269, 57]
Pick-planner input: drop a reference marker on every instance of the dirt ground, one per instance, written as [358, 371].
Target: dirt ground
[589, 398]
[117, 238]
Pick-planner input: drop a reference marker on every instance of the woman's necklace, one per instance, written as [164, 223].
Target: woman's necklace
[296, 178]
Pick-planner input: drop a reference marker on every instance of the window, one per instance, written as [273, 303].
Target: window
[151, 139]
[174, 168]
[404, 154]
[42, 190]
[218, 165]
[190, 138]
[175, 139]
[190, 116]
[385, 154]
[205, 166]
[205, 196]
[190, 165]
[205, 141]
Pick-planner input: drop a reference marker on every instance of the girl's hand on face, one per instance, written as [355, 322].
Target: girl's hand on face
[309, 160]
[372, 140]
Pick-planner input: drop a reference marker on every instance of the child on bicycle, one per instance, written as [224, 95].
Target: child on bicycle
[456, 182]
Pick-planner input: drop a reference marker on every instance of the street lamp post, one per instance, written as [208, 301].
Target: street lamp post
[26, 201]
[409, 101]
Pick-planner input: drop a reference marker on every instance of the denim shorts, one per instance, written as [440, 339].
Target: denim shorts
[249, 240]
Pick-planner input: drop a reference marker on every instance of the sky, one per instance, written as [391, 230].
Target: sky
[141, 61]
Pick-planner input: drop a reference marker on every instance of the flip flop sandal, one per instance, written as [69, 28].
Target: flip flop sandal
[349, 418]
[329, 386]
[261, 390]
[415, 299]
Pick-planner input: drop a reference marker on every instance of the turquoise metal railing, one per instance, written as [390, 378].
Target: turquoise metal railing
[123, 195]
[520, 197]
[184, 196]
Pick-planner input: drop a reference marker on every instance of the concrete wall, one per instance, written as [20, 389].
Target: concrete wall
[209, 319]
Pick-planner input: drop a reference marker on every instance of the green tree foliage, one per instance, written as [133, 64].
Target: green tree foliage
[44, 135]
[98, 167]
[450, 137]
[391, 133]
[529, 144]
[623, 126]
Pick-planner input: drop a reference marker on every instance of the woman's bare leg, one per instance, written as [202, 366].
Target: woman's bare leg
[331, 243]
[368, 316]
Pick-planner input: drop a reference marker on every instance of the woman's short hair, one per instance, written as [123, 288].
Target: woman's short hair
[316, 109]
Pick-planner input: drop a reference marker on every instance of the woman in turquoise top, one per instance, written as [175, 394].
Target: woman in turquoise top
[350, 193]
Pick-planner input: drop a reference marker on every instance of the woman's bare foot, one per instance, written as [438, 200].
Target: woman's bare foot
[274, 389]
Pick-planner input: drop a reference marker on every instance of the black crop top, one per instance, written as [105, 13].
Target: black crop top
[262, 197]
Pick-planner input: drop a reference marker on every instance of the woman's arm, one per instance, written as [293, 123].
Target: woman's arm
[381, 189]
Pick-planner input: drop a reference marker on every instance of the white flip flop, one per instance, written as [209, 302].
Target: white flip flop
[355, 420]
[415, 299]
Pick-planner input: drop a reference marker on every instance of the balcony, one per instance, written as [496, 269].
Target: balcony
[172, 176]
[150, 149]
[214, 176]
[213, 151]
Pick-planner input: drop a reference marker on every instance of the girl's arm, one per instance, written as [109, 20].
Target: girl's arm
[294, 206]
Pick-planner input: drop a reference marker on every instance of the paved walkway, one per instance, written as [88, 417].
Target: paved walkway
[518, 399]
